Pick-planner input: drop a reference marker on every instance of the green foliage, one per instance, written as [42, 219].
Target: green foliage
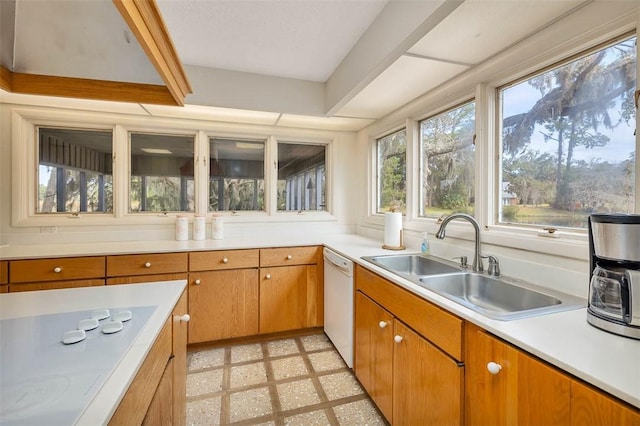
[509, 213]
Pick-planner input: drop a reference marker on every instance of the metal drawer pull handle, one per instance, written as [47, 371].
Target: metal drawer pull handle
[398, 338]
[197, 282]
[494, 367]
[183, 318]
[147, 265]
[225, 260]
[57, 269]
[289, 257]
[382, 324]
[268, 276]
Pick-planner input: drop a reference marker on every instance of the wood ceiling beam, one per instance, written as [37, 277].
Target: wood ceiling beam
[144, 19]
[69, 87]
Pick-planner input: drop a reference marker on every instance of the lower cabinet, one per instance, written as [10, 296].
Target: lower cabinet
[507, 386]
[223, 304]
[411, 380]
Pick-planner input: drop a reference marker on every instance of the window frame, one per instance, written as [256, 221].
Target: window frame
[409, 129]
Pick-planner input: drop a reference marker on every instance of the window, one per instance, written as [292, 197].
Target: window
[447, 162]
[236, 175]
[162, 178]
[301, 176]
[392, 171]
[568, 144]
[74, 171]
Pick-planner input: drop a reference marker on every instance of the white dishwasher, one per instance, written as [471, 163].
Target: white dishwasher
[338, 303]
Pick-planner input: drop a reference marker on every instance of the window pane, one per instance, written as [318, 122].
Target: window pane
[236, 175]
[74, 171]
[392, 171]
[447, 157]
[161, 173]
[568, 143]
[301, 180]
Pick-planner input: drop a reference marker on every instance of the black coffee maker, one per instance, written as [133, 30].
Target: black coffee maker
[614, 287]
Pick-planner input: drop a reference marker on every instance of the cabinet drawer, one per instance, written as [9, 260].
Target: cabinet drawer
[146, 264]
[4, 272]
[53, 285]
[223, 259]
[437, 325]
[289, 256]
[63, 269]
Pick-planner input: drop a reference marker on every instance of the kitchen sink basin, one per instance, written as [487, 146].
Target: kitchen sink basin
[412, 265]
[492, 297]
[495, 298]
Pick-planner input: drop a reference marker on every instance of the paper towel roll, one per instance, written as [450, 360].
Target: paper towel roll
[392, 228]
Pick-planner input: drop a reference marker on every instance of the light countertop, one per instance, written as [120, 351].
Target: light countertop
[162, 295]
[563, 339]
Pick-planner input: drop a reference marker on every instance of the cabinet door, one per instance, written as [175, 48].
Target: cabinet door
[223, 304]
[373, 363]
[160, 412]
[524, 391]
[427, 384]
[288, 298]
[179, 351]
[590, 407]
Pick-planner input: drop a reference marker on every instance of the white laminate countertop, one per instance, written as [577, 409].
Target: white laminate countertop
[563, 339]
[164, 295]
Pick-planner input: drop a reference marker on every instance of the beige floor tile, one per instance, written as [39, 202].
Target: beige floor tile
[204, 382]
[325, 361]
[246, 353]
[314, 418]
[288, 367]
[297, 394]
[282, 347]
[250, 404]
[316, 342]
[358, 413]
[205, 359]
[246, 375]
[204, 412]
[340, 385]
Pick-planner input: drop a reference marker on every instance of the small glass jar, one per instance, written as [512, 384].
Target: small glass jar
[217, 228]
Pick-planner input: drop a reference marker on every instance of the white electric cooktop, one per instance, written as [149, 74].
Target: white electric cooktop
[43, 380]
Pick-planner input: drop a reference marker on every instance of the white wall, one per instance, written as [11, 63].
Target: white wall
[342, 151]
[560, 263]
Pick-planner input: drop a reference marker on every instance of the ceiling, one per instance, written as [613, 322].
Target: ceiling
[315, 63]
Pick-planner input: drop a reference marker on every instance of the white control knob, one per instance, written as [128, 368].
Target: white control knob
[57, 269]
[289, 257]
[268, 276]
[225, 260]
[197, 282]
[398, 338]
[183, 318]
[494, 367]
[147, 265]
[382, 324]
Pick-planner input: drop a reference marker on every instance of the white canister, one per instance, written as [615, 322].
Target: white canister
[217, 228]
[182, 228]
[199, 227]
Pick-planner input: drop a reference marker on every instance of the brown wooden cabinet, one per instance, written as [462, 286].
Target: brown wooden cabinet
[524, 390]
[410, 379]
[49, 274]
[223, 294]
[4, 276]
[291, 290]
[179, 360]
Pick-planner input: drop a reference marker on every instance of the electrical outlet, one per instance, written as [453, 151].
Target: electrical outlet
[48, 229]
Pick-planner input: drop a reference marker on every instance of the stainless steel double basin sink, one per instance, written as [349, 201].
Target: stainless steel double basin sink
[492, 297]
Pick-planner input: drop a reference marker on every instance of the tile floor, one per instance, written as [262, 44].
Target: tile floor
[294, 381]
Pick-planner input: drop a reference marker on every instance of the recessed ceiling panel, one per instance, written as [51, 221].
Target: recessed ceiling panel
[294, 39]
[479, 29]
[405, 80]
[82, 39]
[199, 112]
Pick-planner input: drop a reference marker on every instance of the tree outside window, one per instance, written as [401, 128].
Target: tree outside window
[568, 143]
[392, 172]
